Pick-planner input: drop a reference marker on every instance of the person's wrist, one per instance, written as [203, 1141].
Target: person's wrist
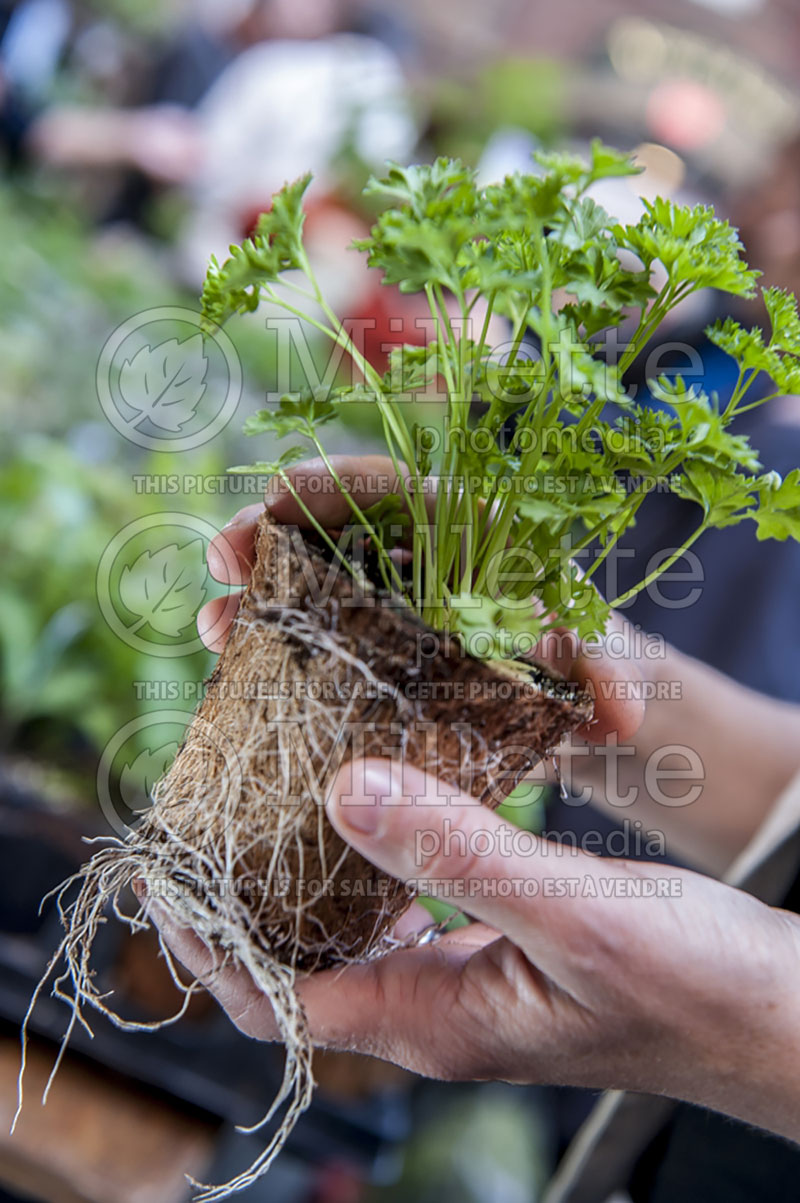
[741, 1056]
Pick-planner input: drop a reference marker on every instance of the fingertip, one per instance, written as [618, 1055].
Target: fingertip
[615, 686]
[215, 619]
[357, 794]
[231, 553]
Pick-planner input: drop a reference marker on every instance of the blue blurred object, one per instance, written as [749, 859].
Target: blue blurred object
[745, 620]
[32, 45]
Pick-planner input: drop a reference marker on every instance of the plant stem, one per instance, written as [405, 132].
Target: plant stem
[386, 562]
[625, 597]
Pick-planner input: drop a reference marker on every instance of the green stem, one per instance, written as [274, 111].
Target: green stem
[657, 572]
[395, 432]
[318, 527]
[385, 560]
[649, 321]
[743, 409]
[743, 386]
[638, 498]
[445, 500]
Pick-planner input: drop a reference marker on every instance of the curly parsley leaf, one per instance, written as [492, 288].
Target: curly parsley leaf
[540, 453]
[778, 513]
[696, 248]
[276, 246]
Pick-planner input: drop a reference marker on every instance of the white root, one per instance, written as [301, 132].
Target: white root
[230, 825]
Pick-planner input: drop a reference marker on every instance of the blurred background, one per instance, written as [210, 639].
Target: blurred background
[136, 138]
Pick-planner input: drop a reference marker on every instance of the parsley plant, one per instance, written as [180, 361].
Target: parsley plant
[544, 455]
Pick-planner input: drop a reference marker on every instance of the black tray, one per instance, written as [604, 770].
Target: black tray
[204, 1062]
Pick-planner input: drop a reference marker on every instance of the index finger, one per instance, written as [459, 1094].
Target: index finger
[367, 478]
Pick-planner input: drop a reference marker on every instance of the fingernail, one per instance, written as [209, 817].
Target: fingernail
[235, 521]
[274, 490]
[357, 797]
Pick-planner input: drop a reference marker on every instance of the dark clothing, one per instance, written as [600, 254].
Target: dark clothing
[703, 1157]
[746, 620]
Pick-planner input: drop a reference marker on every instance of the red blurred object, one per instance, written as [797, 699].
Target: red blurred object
[685, 114]
[387, 317]
[398, 318]
[338, 1183]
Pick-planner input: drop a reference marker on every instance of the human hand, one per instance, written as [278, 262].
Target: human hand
[163, 141]
[578, 970]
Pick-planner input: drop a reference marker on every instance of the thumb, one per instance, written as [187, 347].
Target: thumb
[447, 845]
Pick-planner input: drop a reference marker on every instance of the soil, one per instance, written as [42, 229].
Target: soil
[319, 668]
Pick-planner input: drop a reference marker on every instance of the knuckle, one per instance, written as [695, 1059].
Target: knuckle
[242, 1002]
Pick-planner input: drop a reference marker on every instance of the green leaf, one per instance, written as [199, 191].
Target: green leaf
[436, 190]
[697, 249]
[412, 368]
[778, 513]
[292, 455]
[724, 497]
[297, 413]
[775, 359]
[704, 430]
[609, 163]
[782, 309]
[276, 246]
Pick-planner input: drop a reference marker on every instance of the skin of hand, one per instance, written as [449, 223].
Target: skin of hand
[582, 971]
[163, 141]
[576, 969]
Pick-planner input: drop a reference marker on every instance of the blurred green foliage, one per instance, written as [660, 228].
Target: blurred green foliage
[478, 1145]
[67, 681]
[526, 93]
[62, 290]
